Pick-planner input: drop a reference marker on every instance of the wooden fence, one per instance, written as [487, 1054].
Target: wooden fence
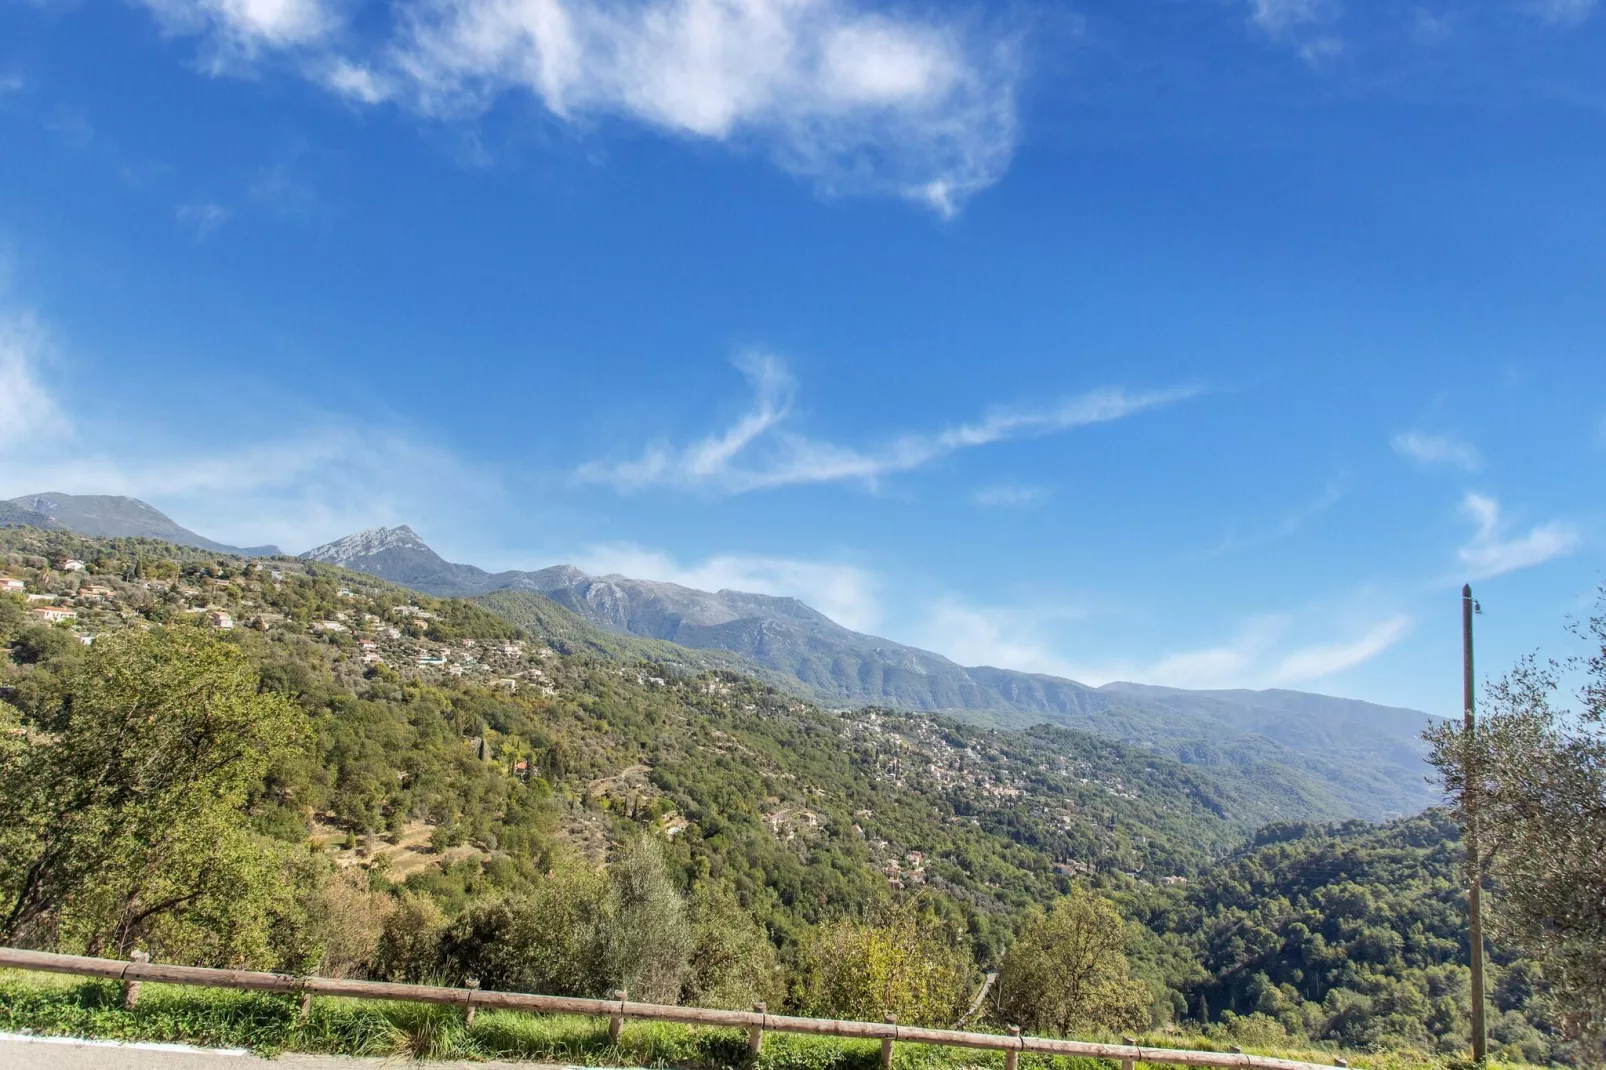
[756, 1021]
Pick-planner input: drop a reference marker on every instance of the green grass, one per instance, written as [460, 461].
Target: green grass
[271, 1023]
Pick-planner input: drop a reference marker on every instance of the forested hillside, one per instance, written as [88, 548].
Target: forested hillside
[419, 785]
[1354, 932]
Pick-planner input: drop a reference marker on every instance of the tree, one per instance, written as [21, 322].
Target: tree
[733, 963]
[911, 966]
[552, 941]
[649, 937]
[1068, 972]
[120, 800]
[1537, 777]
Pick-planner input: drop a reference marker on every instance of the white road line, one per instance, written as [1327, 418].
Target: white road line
[80, 1042]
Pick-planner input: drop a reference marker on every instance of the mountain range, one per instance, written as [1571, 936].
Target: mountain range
[1320, 756]
[1335, 755]
[110, 516]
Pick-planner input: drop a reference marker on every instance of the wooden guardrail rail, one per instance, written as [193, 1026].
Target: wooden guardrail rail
[756, 1022]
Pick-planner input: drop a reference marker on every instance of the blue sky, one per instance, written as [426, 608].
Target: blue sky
[1203, 342]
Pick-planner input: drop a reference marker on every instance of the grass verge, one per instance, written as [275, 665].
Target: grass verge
[269, 1023]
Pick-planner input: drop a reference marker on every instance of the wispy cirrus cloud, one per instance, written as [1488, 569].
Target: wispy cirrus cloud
[1563, 13]
[855, 97]
[1430, 450]
[1259, 655]
[201, 218]
[1011, 496]
[761, 451]
[1286, 525]
[1264, 652]
[1490, 552]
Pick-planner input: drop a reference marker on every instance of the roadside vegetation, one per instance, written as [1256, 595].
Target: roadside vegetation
[271, 1024]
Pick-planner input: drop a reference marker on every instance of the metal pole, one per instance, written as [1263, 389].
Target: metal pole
[1469, 807]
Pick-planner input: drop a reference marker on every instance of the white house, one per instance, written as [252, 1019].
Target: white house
[12, 585]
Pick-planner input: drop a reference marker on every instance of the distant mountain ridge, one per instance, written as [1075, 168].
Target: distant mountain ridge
[110, 516]
[1362, 758]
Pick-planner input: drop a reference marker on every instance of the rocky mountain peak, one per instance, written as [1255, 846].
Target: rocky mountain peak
[366, 543]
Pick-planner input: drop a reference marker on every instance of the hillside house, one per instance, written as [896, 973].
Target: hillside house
[328, 626]
[44, 598]
[54, 614]
[94, 590]
[12, 585]
[218, 618]
[72, 564]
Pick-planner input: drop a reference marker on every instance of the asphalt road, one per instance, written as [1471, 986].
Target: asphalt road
[36, 1053]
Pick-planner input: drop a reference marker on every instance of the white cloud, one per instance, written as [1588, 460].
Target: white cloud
[322, 481]
[845, 593]
[1280, 16]
[1429, 450]
[999, 636]
[1011, 496]
[201, 217]
[1563, 12]
[1303, 25]
[315, 479]
[1324, 659]
[1489, 553]
[1262, 653]
[357, 82]
[855, 99]
[27, 411]
[760, 450]
[247, 26]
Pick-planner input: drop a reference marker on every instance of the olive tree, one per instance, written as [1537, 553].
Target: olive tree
[122, 783]
[911, 965]
[1068, 974]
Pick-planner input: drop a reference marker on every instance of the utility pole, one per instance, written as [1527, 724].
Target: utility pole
[1469, 808]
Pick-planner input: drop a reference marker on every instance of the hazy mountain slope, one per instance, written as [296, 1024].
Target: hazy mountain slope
[114, 516]
[13, 515]
[1323, 755]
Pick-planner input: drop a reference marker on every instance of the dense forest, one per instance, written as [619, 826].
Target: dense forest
[374, 782]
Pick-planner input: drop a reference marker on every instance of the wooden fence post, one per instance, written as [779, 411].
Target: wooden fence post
[1012, 1055]
[306, 1005]
[886, 1045]
[617, 1021]
[755, 1034]
[131, 988]
[1127, 1064]
[472, 984]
